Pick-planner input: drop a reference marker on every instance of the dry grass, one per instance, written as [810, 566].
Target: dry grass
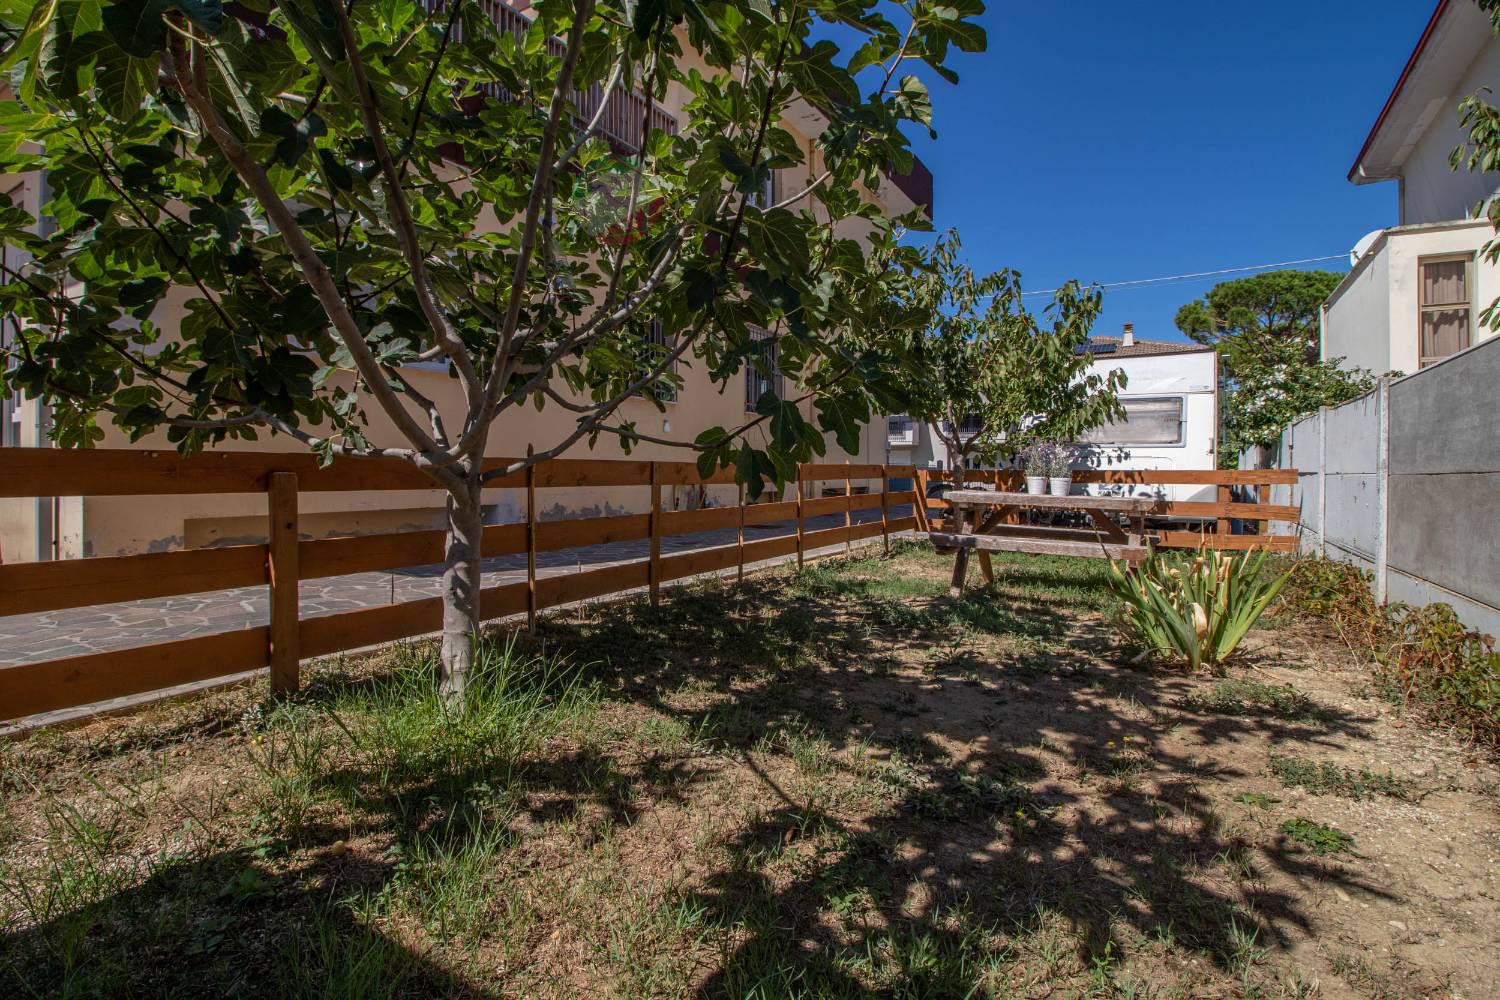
[838, 783]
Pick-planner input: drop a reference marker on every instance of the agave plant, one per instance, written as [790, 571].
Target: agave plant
[1194, 607]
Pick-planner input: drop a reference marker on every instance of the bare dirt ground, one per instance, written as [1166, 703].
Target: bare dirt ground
[839, 783]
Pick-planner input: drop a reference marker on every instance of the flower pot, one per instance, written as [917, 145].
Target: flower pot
[1061, 485]
[1036, 484]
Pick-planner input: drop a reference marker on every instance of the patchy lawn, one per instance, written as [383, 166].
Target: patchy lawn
[838, 783]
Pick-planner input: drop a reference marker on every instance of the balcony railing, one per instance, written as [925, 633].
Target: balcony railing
[624, 113]
[901, 432]
[626, 110]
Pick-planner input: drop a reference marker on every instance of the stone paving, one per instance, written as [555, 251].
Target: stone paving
[54, 634]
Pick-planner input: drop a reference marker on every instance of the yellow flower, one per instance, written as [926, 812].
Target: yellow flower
[1110, 743]
[1125, 738]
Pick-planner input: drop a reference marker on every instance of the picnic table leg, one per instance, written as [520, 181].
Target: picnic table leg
[986, 569]
[961, 557]
[960, 568]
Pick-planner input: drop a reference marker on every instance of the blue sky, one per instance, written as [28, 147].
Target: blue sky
[1118, 141]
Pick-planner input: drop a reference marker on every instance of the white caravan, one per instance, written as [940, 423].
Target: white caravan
[1171, 402]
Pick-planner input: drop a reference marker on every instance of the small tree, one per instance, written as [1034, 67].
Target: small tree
[1265, 329]
[986, 373]
[334, 193]
[1271, 387]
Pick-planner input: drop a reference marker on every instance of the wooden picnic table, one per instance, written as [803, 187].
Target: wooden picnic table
[982, 522]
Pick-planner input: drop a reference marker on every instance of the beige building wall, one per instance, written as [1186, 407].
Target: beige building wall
[101, 526]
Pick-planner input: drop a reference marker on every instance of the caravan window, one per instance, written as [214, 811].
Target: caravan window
[1148, 420]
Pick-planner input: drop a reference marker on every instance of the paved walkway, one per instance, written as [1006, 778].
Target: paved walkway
[54, 634]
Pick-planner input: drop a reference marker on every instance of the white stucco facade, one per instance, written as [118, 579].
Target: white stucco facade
[1371, 320]
[1374, 318]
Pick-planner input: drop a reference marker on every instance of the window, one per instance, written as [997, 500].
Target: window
[656, 344]
[766, 196]
[1148, 420]
[762, 375]
[900, 431]
[1443, 297]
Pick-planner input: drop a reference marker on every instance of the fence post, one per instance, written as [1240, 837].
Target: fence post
[530, 542]
[739, 576]
[1322, 482]
[919, 498]
[653, 570]
[848, 509]
[885, 507]
[1224, 496]
[1382, 488]
[282, 577]
[800, 490]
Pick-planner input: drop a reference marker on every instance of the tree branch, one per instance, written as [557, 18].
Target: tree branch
[540, 184]
[314, 271]
[404, 224]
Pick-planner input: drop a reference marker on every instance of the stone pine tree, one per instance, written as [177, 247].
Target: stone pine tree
[989, 376]
[1265, 329]
[329, 193]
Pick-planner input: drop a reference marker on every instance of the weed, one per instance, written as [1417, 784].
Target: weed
[1425, 657]
[1325, 778]
[1320, 838]
[1259, 800]
[1245, 697]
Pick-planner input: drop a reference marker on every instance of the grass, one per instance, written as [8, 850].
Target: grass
[1325, 778]
[834, 783]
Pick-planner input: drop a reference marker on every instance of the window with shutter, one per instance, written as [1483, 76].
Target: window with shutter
[1148, 420]
[655, 345]
[762, 375]
[1444, 307]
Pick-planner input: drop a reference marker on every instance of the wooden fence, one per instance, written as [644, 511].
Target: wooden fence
[286, 558]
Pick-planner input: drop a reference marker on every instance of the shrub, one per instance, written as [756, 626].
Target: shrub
[1193, 608]
[1424, 657]
[1453, 672]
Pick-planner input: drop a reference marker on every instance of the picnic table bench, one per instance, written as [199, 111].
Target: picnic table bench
[981, 524]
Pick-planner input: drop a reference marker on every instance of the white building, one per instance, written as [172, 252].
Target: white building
[1415, 290]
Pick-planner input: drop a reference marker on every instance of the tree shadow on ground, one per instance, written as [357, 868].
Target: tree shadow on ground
[950, 714]
[966, 827]
[199, 929]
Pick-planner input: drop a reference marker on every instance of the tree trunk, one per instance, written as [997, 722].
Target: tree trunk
[461, 586]
[958, 460]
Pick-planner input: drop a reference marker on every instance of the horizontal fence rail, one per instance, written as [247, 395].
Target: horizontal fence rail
[286, 558]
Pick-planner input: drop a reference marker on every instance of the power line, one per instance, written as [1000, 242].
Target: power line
[1204, 274]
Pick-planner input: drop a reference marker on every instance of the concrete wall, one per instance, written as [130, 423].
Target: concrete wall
[1411, 474]
[1350, 473]
[1444, 504]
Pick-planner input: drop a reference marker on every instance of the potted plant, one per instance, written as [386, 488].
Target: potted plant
[1060, 471]
[1038, 467]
